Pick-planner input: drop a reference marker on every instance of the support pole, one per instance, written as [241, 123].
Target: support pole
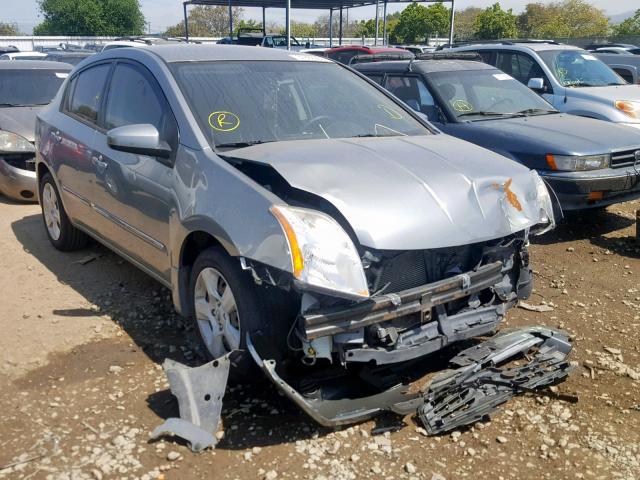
[384, 24]
[375, 38]
[330, 27]
[264, 20]
[340, 28]
[186, 22]
[230, 20]
[288, 28]
[453, 17]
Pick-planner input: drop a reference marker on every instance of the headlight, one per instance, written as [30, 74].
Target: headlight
[322, 254]
[545, 206]
[628, 107]
[12, 143]
[577, 163]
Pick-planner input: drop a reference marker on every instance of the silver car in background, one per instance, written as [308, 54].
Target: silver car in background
[25, 87]
[330, 231]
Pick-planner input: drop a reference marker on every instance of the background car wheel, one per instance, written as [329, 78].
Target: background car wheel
[227, 304]
[62, 234]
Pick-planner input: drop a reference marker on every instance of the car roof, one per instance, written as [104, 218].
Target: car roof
[535, 46]
[76, 53]
[424, 66]
[35, 65]
[217, 52]
[365, 48]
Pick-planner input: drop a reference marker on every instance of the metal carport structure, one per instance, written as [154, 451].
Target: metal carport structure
[331, 5]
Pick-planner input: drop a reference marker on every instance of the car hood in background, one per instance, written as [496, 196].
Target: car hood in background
[409, 193]
[611, 92]
[20, 120]
[560, 134]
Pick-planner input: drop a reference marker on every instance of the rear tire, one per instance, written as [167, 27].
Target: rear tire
[227, 304]
[62, 234]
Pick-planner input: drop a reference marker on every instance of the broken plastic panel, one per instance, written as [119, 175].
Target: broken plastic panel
[199, 391]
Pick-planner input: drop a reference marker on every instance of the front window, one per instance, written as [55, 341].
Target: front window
[480, 94]
[243, 103]
[579, 68]
[31, 87]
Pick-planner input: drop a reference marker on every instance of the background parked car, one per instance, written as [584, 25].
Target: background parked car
[72, 58]
[23, 56]
[626, 65]
[284, 199]
[588, 163]
[573, 80]
[345, 53]
[25, 87]
[615, 48]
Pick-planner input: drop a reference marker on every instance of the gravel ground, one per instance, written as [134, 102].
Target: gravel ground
[81, 384]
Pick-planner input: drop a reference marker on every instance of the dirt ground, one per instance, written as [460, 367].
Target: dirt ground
[81, 386]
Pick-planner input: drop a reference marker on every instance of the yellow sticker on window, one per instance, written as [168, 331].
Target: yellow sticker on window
[460, 105]
[395, 115]
[224, 121]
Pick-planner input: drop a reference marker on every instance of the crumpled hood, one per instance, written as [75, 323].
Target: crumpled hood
[20, 120]
[406, 193]
[560, 134]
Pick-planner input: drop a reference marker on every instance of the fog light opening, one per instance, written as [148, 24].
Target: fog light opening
[26, 194]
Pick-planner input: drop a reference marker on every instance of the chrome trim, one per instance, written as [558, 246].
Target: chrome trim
[77, 195]
[130, 228]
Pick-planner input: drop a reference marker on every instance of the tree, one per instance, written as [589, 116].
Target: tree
[569, 18]
[630, 26]
[207, 21]
[8, 29]
[300, 29]
[494, 23]
[464, 24]
[418, 22]
[90, 17]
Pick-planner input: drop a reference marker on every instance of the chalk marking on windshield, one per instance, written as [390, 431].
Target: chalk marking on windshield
[376, 125]
[460, 105]
[222, 121]
[391, 112]
[502, 76]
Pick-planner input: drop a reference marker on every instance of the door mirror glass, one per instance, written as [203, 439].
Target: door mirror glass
[536, 84]
[141, 139]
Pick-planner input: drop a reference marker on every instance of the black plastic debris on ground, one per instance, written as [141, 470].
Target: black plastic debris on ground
[479, 385]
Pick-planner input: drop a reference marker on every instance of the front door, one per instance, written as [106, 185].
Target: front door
[134, 192]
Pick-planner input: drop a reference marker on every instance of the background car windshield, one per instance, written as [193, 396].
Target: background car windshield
[29, 87]
[579, 68]
[266, 101]
[472, 94]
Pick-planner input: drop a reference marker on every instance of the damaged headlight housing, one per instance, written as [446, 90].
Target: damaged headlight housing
[575, 163]
[13, 143]
[322, 254]
[546, 217]
[628, 107]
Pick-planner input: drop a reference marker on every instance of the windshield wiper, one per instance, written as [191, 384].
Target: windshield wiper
[537, 110]
[580, 84]
[243, 144]
[486, 114]
[23, 104]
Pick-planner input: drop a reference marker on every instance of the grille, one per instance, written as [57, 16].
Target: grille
[623, 159]
[23, 161]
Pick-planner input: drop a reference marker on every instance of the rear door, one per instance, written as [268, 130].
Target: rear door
[133, 192]
[73, 136]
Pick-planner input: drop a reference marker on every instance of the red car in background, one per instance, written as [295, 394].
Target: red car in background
[345, 53]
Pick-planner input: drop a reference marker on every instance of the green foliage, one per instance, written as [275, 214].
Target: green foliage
[90, 17]
[494, 23]
[569, 18]
[464, 25]
[630, 26]
[417, 22]
[8, 29]
[207, 21]
[301, 29]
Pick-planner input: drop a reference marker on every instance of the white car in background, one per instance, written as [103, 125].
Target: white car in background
[23, 56]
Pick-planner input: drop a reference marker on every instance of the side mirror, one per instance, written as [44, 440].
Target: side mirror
[536, 84]
[142, 139]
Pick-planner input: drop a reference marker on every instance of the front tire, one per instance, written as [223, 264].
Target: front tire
[62, 234]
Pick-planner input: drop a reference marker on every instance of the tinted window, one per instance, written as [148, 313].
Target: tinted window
[375, 77]
[412, 91]
[268, 101]
[30, 87]
[88, 89]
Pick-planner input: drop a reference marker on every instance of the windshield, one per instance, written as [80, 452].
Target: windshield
[476, 94]
[579, 68]
[243, 103]
[281, 41]
[29, 87]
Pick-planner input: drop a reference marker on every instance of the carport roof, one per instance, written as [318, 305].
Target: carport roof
[309, 4]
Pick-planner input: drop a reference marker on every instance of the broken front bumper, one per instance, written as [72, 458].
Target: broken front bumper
[458, 397]
[17, 183]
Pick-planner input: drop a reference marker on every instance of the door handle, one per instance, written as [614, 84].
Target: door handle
[56, 137]
[97, 161]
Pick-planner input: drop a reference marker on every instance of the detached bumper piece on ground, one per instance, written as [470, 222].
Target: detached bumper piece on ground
[524, 360]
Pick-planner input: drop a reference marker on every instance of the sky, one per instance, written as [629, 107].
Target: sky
[163, 13]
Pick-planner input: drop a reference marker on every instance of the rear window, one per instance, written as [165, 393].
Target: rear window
[30, 87]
